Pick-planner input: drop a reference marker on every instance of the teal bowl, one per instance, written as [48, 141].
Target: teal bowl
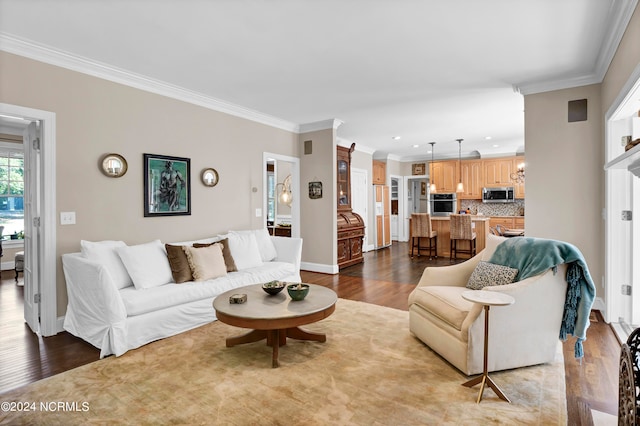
[298, 294]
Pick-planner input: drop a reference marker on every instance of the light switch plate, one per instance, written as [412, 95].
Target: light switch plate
[67, 218]
[258, 212]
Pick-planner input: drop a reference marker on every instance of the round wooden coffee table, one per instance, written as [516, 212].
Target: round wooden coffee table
[275, 317]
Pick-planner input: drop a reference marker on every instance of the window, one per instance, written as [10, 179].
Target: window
[12, 190]
[271, 197]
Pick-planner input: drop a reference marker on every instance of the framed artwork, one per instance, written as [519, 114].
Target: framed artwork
[315, 190]
[423, 188]
[418, 169]
[167, 185]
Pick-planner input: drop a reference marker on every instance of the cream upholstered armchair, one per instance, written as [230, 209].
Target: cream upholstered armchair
[524, 333]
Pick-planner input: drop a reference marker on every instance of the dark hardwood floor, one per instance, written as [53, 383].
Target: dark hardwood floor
[385, 278]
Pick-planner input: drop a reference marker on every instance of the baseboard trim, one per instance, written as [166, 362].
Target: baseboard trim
[319, 267]
[599, 305]
[60, 324]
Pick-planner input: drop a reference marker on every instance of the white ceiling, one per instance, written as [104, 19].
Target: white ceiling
[430, 70]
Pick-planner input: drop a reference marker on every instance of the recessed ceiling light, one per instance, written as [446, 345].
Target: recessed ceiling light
[488, 138]
[495, 145]
[416, 146]
[395, 138]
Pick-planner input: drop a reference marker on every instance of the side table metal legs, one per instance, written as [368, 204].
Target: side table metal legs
[484, 379]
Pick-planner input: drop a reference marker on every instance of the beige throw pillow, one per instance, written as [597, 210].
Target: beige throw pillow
[206, 262]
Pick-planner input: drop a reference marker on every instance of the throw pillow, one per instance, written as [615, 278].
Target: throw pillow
[147, 264]
[226, 253]
[206, 262]
[265, 245]
[179, 264]
[104, 252]
[489, 274]
[244, 249]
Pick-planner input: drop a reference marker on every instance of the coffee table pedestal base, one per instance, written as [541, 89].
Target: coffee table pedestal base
[275, 339]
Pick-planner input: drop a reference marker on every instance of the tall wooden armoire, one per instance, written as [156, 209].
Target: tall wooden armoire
[350, 224]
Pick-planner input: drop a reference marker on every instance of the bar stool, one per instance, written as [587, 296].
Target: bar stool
[421, 228]
[461, 229]
[18, 263]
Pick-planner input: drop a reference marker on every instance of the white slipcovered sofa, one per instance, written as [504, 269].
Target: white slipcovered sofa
[120, 297]
[524, 333]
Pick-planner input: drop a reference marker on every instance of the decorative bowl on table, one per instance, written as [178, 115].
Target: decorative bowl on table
[273, 287]
[298, 291]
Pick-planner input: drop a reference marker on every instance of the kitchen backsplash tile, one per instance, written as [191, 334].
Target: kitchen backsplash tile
[494, 209]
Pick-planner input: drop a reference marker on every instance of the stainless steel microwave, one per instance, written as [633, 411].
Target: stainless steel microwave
[498, 195]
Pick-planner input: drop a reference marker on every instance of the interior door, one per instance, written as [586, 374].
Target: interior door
[31, 226]
[360, 199]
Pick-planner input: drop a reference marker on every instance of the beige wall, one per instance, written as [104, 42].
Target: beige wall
[318, 217]
[565, 178]
[95, 116]
[565, 161]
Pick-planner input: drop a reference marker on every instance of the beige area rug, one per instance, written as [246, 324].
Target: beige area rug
[371, 371]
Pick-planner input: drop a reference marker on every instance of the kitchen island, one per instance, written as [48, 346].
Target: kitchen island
[441, 224]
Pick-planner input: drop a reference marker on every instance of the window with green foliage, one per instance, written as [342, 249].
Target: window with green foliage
[12, 191]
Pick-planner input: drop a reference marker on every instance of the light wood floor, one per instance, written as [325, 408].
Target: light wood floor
[385, 278]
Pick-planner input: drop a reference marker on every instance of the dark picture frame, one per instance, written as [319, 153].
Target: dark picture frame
[167, 185]
[315, 190]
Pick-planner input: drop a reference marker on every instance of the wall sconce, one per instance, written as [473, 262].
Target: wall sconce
[518, 175]
[285, 196]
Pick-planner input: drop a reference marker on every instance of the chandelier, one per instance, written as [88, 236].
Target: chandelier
[518, 175]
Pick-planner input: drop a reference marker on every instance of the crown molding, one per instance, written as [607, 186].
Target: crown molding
[619, 16]
[52, 56]
[332, 123]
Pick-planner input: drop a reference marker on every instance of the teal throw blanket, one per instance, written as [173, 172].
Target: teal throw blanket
[532, 256]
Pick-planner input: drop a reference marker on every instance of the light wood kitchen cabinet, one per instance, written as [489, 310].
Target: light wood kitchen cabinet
[472, 179]
[519, 187]
[510, 222]
[518, 222]
[497, 172]
[379, 172]
[445, 175]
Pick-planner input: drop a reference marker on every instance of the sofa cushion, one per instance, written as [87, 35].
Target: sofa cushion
[445, 302]
[244, 249]
[263, 239]
[206, 262]
[179, 264]
[104, 252]
[147, 264]
[226, 253]
[154, 299]
[489, 274]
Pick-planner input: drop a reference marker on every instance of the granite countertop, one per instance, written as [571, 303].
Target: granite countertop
[473, 217]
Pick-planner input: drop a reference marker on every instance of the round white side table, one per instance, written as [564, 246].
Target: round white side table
[487, 299]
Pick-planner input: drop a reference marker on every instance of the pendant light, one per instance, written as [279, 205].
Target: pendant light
[432, 187]
[460, 187]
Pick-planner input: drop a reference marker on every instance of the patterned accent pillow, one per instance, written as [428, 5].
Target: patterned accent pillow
[489, 274]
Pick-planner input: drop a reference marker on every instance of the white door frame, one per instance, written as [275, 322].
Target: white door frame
[405, 204]
[401, 223]
[295, 189]
[363, 172]
[49, 323]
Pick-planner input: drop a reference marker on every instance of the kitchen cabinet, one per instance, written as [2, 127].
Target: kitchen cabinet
[519, 187]
[379, 172]
[472, 180]
[383, 223]
[497, 172]
[445, 175]
[511, 222]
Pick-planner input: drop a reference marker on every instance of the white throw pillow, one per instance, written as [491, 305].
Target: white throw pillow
[104, 252]
[147, 264]
[206, 262]
[265, 245]
[244, 250]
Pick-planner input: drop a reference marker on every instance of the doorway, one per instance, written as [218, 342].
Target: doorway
[622, 197]
[40, 284]
[284, 168]
[360, 200]
[416, 199]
